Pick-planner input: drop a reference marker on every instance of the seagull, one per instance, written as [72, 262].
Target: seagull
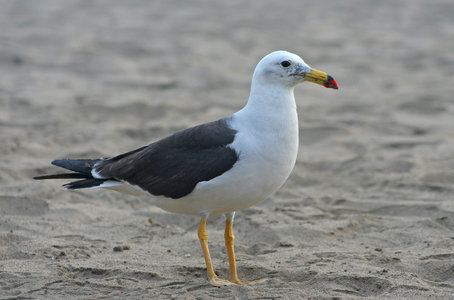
[219, 167]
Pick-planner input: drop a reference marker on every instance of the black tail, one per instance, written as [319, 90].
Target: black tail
[84, 183]
[82, 167]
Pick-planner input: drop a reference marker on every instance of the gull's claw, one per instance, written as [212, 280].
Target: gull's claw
[215, 281]
[248, 282]
[220, 282]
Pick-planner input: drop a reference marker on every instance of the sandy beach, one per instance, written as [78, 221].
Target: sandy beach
[367, 212]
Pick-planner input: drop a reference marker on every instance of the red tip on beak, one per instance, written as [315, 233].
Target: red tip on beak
[331, 83]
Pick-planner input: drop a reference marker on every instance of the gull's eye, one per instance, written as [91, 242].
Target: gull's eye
[286, 63]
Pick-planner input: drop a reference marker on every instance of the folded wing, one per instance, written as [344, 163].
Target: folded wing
[173, 166]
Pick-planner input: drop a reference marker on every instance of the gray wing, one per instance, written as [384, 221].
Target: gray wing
[173, 166]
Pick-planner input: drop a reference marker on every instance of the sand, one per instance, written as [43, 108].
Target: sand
[367, 212]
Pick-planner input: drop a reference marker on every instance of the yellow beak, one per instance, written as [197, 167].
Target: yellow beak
[322, 78]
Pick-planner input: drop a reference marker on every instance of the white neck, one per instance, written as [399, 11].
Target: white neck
[269, 105]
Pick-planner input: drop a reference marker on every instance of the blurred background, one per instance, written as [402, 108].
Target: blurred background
[368, 210]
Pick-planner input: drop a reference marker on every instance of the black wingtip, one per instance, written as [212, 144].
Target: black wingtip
[83, 166]
[61, 176]
[57, 162]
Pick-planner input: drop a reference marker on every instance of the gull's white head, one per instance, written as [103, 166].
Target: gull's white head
[288, 69]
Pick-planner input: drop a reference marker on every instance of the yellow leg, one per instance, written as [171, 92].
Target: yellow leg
[230, 245]
[203, 238]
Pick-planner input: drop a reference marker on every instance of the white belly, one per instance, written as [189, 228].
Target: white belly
[266, 159]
